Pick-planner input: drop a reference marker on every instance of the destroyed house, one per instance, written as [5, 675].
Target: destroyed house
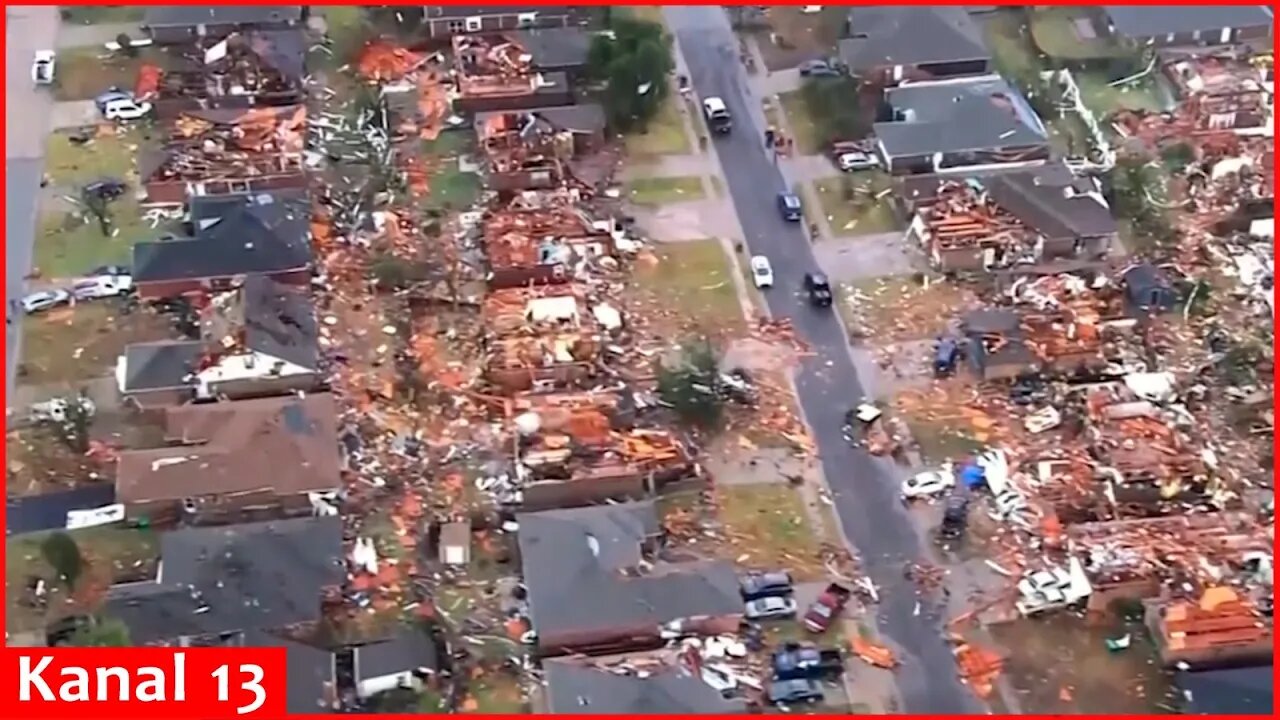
[1174, 25]
[256, 340]
[177, 24]
[235, 460]
[972, 122]
[887, 45]
[542, 246]
[1004, 344]
[532, 149]
[1142, 442]
[1222, 628]
[1066, 215]
[496, 74]
[232, 236]
[213, 152]
[214, 580]
[582, 448]
[593, 587]
[541, 337]
[1223, 92]
[256, 68]
[581, 686]
[445, 21]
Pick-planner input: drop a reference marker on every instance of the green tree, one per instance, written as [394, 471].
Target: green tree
[633, 61]
[691, 387]
[837, 109]
[62, 553]
[101, 632]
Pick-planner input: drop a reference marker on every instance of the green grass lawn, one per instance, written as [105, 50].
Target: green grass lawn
[940, 442]
[769, 525]
[665, 134]
[84, 72]
[863, 216]
[112, 553]
[665, 190]
[112, 155]
[1100, 97]
[1014, 55]
[804, 130]
[494, 693]
[695, 281]
[1054, 31]
[66, 246]
[68, 344]
[1068, 134]
[101, 14]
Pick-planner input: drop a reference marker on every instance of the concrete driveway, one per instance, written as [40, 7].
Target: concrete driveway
[73, 114]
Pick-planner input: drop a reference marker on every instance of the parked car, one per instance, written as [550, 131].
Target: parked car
[795, 661]
[946, 354]
[765, 584]
[855, 161]
[761, 271]
[790, 208]
[929, 483]
[102, 286]
[955, 516]
[794, 692]
[45, 299]
[826, 607]
[42, 68]
[819, 289]
[770, 608]
[819, 68]
[114, 93]
[125, 109]
[109, 270]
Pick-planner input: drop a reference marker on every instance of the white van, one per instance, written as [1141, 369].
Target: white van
[125, 109]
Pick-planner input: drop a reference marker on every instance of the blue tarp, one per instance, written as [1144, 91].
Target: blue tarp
[973, 476]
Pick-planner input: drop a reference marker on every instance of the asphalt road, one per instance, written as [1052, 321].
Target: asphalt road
[865, 488]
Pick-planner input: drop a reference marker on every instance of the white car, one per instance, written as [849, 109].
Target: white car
[929, 483]
[761, 271]
[771, 607]
[125, 109]
[45, 299]
[42, 67]
[102, 286]
[854, 161]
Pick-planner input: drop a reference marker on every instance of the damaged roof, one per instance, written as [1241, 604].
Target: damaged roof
[579, 688]
[555, 48]
[1053, 211]
[1137, 21]
[583, 118]
[192, 15]
[887, 35]
[287, 445]
[574, 562]
[220, 579]
[267, 317]
[974, 114]
[234, 235]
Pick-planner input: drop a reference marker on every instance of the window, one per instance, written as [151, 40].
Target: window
[457, 26]
[526, 20]
[475, 23]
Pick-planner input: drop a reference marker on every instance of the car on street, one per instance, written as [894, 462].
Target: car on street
[44, 300]
[929, 483]
[770, 608]
[856, 161]
[125, 109]
[42, 67]
[102, 286]
[819, 289]
[794, 692]
[761, 271]
[790, 207]
[756, 585]
[717, 115]
[819, 68]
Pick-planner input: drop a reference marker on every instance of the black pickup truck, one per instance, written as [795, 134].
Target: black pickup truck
[795, 662]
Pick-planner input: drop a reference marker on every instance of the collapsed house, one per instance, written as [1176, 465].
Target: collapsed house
[1220, 628]
[535, 149]
[256, 68]
[982, 223]
[595, 587]
[497, 74]
[544, 338]
[581, 448]
[256, 340]
[236, 461]
[1222, 92]
[212, 152]
[544, 244]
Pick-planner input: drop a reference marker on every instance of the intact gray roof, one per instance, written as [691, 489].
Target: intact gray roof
[239, 577]
[556, 48]
[902, 35]
[919, 189]
[1140, 21]
[1056, 212]
[160, 365]
[973, 114]
[577, 689]
[573, 563]
[192, 15]
[407, 650]
[309, 671]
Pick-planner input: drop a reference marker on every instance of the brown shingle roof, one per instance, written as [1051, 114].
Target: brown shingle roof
[287, 444]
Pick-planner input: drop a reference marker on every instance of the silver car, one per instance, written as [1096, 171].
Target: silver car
[768, 608]
[43, 300]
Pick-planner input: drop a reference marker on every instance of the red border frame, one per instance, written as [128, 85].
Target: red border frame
[12, 707]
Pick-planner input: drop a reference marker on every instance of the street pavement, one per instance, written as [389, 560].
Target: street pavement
[864, 488]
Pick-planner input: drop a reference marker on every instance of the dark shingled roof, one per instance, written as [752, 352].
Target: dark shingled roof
[888, 35]
[234, 235]
[1138, 21]
[573, 562]
[586, 118]
[462, 11]
[1055, 212]
[309, 671]
[555, 48]
[577, 689]
[192, 15]
[408, 650]
[160, 365]
[1005, 323]
[267, 317]
[239, 577]
[1236, 691]
[974, 114]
